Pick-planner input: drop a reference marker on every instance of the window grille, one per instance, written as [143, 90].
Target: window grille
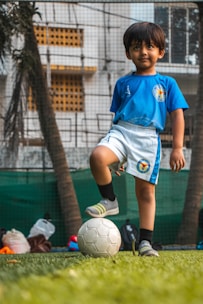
[66, 93]
[69, 37]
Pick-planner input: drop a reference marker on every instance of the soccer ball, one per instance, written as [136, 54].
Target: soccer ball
[99, 237]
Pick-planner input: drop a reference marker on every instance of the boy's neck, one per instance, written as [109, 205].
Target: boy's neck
[145, 73]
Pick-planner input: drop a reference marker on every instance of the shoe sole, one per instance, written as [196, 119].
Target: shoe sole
[149, 254]
[109, 212]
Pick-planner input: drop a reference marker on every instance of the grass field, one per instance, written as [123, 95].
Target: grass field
[70, 278]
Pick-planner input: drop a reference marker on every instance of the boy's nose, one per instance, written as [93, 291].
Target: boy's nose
[143, 49]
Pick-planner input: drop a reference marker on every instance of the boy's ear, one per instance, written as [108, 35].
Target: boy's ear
[161, 54]
[128, 55]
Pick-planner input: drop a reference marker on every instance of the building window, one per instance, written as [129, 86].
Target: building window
[55, 36]
[180, 26]
[66, 89]
[66, 93]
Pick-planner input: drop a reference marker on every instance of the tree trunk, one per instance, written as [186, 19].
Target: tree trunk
[49, 128]
[189, 225]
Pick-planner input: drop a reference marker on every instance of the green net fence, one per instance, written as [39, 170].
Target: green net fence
[27, 196]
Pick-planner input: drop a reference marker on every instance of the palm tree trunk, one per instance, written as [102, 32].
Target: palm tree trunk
[49, 128]
[189, 225]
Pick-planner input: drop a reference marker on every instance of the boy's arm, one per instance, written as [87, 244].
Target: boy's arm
[177, 159]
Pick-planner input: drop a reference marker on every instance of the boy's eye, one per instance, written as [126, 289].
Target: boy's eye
[137, 46]
[150, 46]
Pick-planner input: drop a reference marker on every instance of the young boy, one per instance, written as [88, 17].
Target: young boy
[140, 102]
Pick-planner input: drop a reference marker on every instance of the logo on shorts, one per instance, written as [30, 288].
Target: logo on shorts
[159, 93]
[143, 166]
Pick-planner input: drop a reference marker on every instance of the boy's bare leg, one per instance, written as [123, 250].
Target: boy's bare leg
[100, 159]
[145, 193]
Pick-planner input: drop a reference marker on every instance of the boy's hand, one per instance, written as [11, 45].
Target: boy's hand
[121, 169]
[177, 159]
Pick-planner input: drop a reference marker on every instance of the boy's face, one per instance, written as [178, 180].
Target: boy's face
[144, 56]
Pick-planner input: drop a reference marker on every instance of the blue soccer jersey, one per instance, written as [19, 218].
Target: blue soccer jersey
[145, 99]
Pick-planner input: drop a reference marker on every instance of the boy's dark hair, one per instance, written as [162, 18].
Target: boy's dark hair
[144, 31]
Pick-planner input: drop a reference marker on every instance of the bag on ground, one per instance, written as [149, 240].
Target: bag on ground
[39, 244]
[129, 235]
[16, 241]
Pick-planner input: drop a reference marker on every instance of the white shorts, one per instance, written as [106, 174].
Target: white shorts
[139, 146]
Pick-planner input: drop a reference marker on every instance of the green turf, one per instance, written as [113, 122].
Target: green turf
[66, 278]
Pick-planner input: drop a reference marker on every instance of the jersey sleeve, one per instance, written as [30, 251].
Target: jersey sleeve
[175, 98]
[116, 100]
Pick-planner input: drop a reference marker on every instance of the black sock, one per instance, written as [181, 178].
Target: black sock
[145, 235]
[106, 191]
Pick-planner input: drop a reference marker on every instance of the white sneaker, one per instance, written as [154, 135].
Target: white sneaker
[145, 249]
[103, 208]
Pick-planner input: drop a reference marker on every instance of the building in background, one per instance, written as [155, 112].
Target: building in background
[82, 54]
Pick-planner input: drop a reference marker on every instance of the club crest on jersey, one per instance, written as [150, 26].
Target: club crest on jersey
[159, 93]
[143, 166]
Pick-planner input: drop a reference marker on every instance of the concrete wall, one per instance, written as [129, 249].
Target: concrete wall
[78, 158]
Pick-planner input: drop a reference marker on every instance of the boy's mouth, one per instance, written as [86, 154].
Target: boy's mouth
[144, 59]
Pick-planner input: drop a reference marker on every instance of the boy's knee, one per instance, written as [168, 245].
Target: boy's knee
[145, 192]
[97, 155]
[146, 196]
